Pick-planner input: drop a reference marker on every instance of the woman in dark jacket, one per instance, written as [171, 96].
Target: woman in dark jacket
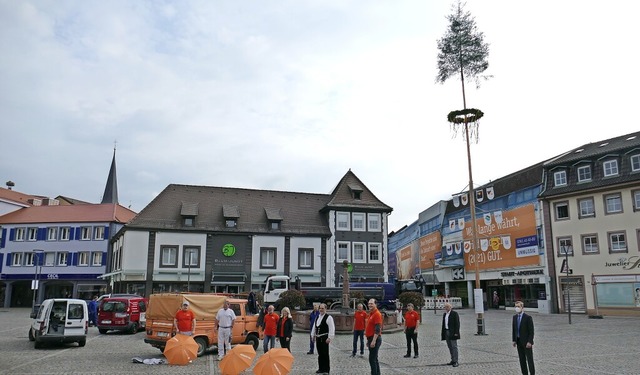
[285, 328]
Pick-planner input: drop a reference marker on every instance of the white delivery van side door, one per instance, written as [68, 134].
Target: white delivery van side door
[77, 318]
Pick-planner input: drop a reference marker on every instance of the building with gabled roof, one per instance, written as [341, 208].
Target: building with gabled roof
[63, 247]
[204, 238]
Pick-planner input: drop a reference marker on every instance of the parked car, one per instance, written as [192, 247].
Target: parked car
[126, 313]
[60, 320]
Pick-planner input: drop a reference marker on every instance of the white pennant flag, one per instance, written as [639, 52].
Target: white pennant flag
[461, 223]
[456, 200]
[506, 242]
[464, 198]
[449, 250]
[484, 244]
[487, 218]
[479, 195]
[452, 224]
[490, 193]
[498, 216]
[467, 247]
[458, 248]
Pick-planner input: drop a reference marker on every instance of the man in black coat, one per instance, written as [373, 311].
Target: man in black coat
[451, 332]
[522, 337]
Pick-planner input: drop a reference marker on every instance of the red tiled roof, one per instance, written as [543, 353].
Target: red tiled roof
[69, 213]
[14, 196]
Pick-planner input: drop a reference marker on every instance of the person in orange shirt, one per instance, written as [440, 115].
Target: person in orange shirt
[411, 319]
[373, 331]
[359, 318]
[185, 320]
[270, 329]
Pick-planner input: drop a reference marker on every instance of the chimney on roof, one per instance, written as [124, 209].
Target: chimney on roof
[111, 189]
[10, 184]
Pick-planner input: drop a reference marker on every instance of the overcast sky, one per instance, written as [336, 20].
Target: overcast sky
[290, 95]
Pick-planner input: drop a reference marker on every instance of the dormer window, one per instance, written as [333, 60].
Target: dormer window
[189, 212]
[610, 168]
[356, 191]
[584, 173]
[274, 217]
[231, 214]
[560, 178]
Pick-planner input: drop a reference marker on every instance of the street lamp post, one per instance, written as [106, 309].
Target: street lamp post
[568, 271]
[433, 281]
[35, 287]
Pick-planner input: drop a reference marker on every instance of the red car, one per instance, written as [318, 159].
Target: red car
[122, 314]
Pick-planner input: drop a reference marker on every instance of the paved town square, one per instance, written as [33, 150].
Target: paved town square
[588, 346]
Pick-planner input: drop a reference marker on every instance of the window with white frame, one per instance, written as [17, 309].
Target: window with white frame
[62, 258]
[267, 257]
[359, 252]
[610, 168]
[231, 223]
[168, 256]
[635, 195]
[374, 222]
[560, 178]
[613, 203]
[617, 242]
[358, 221]
[344, 251]
[635, 163]
[83, 258]
[32, 234]
[98, 233]
[565, 245]
[586, 207]
[584, 173]
[305, 258]
[96, 258]
[52, 234]
[343, 221]
[28, 259]
[191, 256]
[562, 210]
[50, 259]
[85, 233]
[20, 234]
[590, 244]
[375, 253]
[16, 259]
[65, 233]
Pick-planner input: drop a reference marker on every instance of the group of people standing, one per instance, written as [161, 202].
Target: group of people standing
[367, 325]
[276, 326]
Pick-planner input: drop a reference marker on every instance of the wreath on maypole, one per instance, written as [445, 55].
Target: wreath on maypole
[469, 118]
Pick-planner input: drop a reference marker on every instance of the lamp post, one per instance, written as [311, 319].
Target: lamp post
[189, 255]
[433, 282]
[35, 287]
[567, 248]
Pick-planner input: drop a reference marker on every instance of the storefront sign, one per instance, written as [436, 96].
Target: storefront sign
[522, 273]
[625, 263]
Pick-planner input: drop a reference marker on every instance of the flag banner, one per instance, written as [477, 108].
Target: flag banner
[484, 244]
[498, 216]
[490, 193]
[467, 247]
[479, 195]
[464, 198]
[506, 242]
[456, 200]
[461, 223]
[487, 218]
[452, 224]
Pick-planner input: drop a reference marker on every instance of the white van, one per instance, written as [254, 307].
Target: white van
[60, 320]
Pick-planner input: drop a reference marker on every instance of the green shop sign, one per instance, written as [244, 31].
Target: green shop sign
[228, 250]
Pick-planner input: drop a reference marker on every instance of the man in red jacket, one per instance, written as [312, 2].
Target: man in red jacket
[411, 319]
[270, 329]
[373, 331]
[359, 318]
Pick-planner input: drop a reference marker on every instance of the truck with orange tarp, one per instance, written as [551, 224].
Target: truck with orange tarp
[163, 307]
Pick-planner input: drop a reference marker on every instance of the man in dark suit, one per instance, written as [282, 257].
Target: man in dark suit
[522, 337]
[451, 332]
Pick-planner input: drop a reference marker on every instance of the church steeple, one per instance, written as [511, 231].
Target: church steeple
[111, 190]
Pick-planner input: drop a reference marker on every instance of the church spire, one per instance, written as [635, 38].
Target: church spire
[111, 189]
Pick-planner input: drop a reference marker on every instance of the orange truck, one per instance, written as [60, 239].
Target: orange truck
[163, 307]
